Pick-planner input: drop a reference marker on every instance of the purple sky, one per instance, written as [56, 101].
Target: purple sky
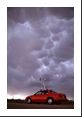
[40, 43]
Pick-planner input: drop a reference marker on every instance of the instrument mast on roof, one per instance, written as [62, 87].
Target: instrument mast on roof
[42, 82]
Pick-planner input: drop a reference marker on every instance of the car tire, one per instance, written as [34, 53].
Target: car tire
[28, 101]
[50, 101]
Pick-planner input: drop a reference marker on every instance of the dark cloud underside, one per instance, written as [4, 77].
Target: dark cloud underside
[40, 43]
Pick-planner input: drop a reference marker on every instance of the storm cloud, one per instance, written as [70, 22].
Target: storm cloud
[40, 43]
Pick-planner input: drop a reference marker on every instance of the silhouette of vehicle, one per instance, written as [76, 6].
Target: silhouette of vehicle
[48, 96]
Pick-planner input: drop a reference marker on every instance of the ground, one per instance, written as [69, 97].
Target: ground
[22, 105]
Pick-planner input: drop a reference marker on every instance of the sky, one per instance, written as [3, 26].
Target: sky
[40, 43]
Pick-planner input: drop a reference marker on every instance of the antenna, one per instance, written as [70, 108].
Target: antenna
[42, 81]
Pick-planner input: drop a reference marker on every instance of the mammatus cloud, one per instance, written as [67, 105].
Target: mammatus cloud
[40, 44]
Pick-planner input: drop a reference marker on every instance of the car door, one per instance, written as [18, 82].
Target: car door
[37, 96]
[44, 96]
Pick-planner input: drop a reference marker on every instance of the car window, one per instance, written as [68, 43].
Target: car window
[44, 92]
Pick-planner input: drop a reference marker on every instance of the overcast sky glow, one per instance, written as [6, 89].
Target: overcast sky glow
[40, 43]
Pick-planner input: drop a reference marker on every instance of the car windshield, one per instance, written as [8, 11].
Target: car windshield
[38, 93]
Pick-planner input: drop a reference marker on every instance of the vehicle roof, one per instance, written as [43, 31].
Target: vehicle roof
[47, 90]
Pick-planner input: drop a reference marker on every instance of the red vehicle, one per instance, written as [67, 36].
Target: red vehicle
[48, 96]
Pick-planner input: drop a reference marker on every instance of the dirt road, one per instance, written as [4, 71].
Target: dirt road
[38, 106]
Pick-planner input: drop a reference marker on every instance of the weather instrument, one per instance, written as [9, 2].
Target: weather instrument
[42, 81]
